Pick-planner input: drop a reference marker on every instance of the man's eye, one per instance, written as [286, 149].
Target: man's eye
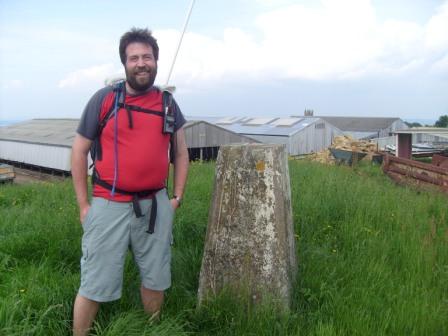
[148, 58]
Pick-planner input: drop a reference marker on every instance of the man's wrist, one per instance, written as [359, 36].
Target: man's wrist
[83, 204]
[178, 199]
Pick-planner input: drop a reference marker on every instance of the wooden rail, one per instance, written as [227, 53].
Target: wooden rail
[410, 172]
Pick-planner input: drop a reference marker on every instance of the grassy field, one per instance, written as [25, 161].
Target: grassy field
[373, 260]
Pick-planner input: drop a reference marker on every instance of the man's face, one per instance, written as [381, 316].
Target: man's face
[140, 67]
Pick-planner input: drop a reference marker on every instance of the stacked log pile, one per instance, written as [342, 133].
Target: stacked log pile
[345, 142]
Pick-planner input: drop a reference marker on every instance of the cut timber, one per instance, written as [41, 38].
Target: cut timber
[250, 246]
[355, 150]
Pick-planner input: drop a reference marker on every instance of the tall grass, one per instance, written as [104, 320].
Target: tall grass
[373, 260]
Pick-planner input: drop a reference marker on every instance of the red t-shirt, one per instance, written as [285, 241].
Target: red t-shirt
[143, 151]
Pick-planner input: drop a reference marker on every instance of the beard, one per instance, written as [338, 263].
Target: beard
[141, 82]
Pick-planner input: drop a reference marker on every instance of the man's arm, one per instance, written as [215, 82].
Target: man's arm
[181, 163]
[80, 150]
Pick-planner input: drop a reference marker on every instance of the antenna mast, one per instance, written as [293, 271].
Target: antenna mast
[180, 41]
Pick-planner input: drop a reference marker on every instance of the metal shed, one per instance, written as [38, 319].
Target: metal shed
[42, 143]
[301, 135]
[367, 127]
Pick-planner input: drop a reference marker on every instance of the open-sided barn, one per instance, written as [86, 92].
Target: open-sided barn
[367, 127]
[204, 139]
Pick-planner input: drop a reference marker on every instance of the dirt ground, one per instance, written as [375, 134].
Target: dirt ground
[24, 176]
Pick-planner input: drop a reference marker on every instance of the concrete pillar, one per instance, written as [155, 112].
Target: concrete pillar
[250, 247]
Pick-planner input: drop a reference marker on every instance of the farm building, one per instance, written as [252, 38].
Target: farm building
[367, 127]
[301, 135]
[45, 144]
[39, 143]
[405, 139]
[204, 139]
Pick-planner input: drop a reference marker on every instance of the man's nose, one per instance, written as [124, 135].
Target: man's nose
[140, 61]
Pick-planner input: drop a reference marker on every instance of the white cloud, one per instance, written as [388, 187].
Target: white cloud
[92, 77]
[330, 40]
[437, 29]
[339, 39]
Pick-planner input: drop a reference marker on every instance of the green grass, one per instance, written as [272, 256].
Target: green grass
[373, 260]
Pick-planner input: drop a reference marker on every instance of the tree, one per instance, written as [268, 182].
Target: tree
[442, 122]
[413, 124]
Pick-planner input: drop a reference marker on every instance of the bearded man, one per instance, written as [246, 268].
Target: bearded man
[133, 130]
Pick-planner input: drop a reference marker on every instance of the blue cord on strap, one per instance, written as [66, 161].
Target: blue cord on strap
[117, 97]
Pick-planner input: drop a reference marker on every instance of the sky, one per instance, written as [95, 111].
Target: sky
[372, 58]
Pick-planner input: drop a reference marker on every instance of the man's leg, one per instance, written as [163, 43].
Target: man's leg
[152, 301]
[84, 312]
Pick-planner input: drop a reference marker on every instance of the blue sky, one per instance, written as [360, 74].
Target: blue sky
[239, 57]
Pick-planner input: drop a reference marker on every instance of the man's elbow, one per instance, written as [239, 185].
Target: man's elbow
[81, 146]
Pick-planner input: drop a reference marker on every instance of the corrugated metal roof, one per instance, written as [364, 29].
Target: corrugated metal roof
[360, 124]
[57, 132]
[285, 122]
[61, 132]
[259, 121]
[269, 128]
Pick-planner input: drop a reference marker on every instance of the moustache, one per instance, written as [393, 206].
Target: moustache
[143, 70]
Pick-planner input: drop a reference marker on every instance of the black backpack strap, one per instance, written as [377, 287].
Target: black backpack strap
[140, 109]
[120, 90]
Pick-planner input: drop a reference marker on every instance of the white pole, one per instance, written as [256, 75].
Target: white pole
[180, 41]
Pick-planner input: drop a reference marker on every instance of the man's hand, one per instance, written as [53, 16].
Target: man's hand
[80, 150]
[174, 203]
[83, 212]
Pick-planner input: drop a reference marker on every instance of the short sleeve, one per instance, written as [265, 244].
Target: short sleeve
[88, 125]
[178, 117]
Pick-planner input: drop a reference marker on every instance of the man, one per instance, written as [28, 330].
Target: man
[131, 135]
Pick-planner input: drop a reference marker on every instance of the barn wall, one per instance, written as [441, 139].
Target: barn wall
[313, 138]
[202, 135]
[54, 157]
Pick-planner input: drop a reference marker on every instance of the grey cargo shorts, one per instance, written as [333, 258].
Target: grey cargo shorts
[110, 229]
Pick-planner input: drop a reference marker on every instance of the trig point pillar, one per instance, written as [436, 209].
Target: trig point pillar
[250, 247]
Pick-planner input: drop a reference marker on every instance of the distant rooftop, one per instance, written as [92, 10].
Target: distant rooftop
[360, 124]
[270, 126]
[435, 131]
[58, 132]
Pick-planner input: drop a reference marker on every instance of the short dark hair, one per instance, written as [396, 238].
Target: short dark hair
[138, 35]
